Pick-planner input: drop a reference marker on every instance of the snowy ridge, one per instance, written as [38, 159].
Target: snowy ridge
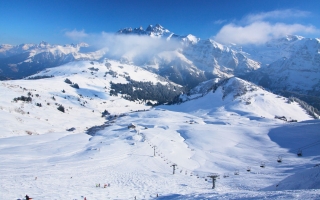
[210, 55]
[90, 100]
[293, 69]
[8, 50]
[27, 59]
[243, 96]
[158, 31]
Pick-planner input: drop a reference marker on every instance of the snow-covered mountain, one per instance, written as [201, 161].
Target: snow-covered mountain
[291, 67]
[85, 90]
[222, 127]
[153, 31]
[195, 60]
[288, 66]
[26, 59]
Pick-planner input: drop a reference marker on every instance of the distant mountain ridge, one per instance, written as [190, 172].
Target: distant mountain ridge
[26, 59]
[295, 70]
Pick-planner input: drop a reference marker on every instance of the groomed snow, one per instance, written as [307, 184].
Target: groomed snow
[222, 132]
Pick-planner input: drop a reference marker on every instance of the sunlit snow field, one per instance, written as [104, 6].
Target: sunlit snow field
[218, 133]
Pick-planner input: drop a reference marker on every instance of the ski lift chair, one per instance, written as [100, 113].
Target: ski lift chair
[279, 160]
[299, 153]
[262, 165]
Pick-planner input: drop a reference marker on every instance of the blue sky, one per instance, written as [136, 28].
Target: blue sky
[240, 21]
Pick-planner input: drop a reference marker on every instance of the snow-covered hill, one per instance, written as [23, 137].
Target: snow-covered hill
[244, 97]
[223, 127]
[97, 92]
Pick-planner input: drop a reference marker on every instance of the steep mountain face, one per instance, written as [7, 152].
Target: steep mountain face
[195, 60]
[296, 72]
[153, 31]
[26, 59]
[219, 59]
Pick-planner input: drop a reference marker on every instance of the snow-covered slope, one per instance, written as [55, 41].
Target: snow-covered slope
[227, 130]
[244, 97]
[307, 179]
[86, 104]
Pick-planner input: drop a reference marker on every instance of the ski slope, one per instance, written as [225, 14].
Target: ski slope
[217, 132]
[83, 106]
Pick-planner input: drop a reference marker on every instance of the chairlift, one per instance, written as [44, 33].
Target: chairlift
[248, 169]
[225, 175]
[236, 172]
[299, 153]
[262, 165]
[279, 160]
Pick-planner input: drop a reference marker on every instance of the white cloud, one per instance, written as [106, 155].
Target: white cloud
[276, 14]
[134, 47]
[220, 21]
[260, 28]
[76, 35]
[259, 32]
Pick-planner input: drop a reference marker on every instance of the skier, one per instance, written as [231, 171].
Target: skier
[27, 197]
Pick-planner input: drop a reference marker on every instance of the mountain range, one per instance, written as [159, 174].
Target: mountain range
[289, 66]
[159, 116]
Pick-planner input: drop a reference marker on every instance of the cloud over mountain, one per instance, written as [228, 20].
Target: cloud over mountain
[262, 27]
[76, 35]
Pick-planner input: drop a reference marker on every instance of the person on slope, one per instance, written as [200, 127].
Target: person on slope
[27, 197]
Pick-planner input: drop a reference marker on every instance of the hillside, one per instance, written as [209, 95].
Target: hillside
[225, 130]
[97, 92]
